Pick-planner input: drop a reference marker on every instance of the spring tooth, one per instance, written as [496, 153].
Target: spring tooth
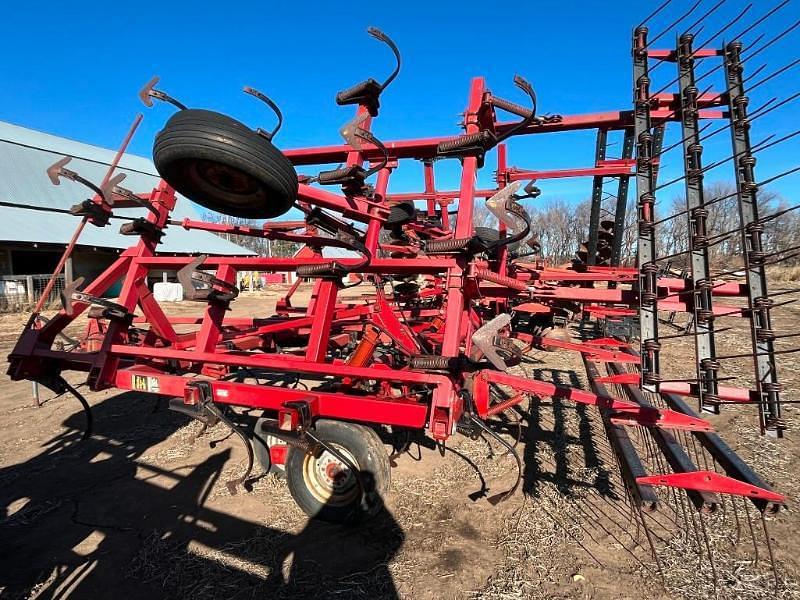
[451, 245]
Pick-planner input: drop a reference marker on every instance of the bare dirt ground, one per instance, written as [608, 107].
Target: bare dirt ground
[141, 510]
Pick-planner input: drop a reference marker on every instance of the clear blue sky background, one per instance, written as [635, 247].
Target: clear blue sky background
[74, 69]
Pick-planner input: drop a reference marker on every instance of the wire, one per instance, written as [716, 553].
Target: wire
[61, 211]
[91, 160]
[33, 207]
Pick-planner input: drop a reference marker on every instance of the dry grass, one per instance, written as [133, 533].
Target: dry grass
[781, 273]
[571, 534]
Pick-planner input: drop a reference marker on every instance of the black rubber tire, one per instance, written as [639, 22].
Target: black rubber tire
[491, 236]
[400, 214]
[224, 166]
[368, 454]
[260, 445]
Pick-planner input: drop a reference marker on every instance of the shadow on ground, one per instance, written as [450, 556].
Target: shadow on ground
[545, 425]
[87, 520]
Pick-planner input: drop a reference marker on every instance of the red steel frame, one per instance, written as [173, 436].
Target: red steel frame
[404, 397]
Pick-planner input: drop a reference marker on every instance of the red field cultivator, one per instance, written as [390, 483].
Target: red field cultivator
[449, 310]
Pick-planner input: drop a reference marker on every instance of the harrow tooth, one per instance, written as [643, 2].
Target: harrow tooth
[631, 466]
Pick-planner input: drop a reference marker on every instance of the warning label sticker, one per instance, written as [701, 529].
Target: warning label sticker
[144, 383]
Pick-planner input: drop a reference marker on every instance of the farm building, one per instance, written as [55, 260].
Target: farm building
[31, 241]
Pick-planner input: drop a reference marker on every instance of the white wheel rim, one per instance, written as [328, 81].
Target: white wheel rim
[328, 479]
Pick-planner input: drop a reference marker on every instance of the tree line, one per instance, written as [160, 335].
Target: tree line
[561, 227]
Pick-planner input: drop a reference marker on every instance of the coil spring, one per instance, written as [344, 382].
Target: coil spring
[704, 315]
[451, 245]
[703, 284]
[710, 365]
[735, 67]
[765, 335]
[651, 345]
[648, 298]
[762, 302]
[649, 268]
[694, 174]
[748, 187]
[319, 270]
[511, 107]
[499, 279]
[741, 101]
[651, 378]
[773, 423]
[754, 227]
[337, 175]
[756, 257]
[430, 362]
[647, 198]
[646, 227]
[748, 161]
[771, 387]
[484, 138]
[699, 240]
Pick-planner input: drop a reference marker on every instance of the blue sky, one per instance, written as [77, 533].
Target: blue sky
[74, 70]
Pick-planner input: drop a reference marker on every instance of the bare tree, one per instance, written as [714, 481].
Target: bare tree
[259, 245]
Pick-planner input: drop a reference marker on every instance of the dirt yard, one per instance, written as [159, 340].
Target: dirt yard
[141, 510]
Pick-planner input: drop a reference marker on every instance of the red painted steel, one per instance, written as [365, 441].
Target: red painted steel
[401, 354]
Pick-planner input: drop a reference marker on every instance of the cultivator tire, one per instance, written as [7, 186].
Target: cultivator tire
[490, 237]
[225, 166]
[400, 214]
[319, 486]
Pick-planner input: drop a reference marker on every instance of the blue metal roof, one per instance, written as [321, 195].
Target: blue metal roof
[25, 155]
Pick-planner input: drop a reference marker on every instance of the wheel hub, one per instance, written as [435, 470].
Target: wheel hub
[330, 479]
[225, 178]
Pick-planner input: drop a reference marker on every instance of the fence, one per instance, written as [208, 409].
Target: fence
[21, 292]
